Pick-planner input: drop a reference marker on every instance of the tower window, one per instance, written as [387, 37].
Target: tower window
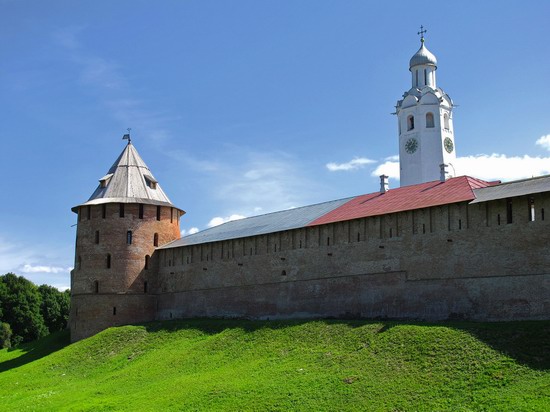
[114, 310]
[416, 73]
[103, 211]
[509, 211]
[531, 205]
[328, 241]
[108, 261]
[97, 237]
[150, 181]
[158, 212]
[425, 77]
[446, 121]
[429, 120]
[156, 239]
[79, 262]
[145, 287]
[410, 122]
[121, 210]
[171, 214]
[129, 237]
[96, 287]
[147, 262]
[141, 211]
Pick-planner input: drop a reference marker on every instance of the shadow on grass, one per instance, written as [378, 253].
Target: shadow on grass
[37, 349]
[527, 342]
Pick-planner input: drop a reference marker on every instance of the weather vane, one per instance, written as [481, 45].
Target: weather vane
[127, 135]
[421, 33]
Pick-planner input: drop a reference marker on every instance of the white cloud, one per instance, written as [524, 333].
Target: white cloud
[259, 182]
[488, 167]
[216, 221]
[25, 260]
[502, 167]
[191, 231]
[544, 141]
[390, 168]
[356, 163]
[43, 269]
[67, 37]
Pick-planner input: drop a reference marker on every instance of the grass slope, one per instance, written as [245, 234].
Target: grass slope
[291, 365]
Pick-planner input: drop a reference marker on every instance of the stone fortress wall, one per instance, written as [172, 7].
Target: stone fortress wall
[114, 264]
[486, 261]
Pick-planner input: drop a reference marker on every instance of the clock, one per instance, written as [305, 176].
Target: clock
[411, 145]
[449, 146]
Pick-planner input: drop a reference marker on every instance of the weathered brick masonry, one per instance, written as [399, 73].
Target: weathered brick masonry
[454, 261]
[114, 275]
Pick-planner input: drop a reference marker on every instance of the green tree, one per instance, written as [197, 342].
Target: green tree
[20, 307]
[5, 335]
[54, 307]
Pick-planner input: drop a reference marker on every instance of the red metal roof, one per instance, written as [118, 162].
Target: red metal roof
[458, 189]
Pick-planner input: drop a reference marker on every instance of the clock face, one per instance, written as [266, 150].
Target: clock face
[449, 146]
[411, 145]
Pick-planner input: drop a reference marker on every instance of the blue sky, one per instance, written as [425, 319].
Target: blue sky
[240, 107]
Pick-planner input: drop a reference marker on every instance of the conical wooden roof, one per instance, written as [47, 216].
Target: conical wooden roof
[129, 180]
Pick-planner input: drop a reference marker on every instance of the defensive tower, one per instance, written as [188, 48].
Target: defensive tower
[425, 121]
[118, 229]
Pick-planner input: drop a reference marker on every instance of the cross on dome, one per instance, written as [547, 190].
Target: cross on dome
[421, 33]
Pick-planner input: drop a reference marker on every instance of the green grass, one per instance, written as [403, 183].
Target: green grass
[281, 366]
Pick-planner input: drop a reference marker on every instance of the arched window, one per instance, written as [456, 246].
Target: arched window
[147, 262]
[156, 239]
[410, 122]
[97, 237]
[446, 121]
[108, 261]
[129, 237]
[429, 120]
[158, 212]
[140, 211]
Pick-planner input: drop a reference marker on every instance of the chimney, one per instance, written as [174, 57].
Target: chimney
[443, 175]
[384, 184]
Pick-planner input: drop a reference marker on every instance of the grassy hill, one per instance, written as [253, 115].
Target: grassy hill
[291, 365]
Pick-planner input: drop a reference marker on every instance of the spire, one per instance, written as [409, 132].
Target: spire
[129, 180]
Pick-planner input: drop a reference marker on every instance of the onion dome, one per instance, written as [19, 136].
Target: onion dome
[423, 57]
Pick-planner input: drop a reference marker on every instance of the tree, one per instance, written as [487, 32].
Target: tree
[5, 335]
[20, 307]
[54, 307]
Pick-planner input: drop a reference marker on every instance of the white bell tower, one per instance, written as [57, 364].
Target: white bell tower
[425, 120]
